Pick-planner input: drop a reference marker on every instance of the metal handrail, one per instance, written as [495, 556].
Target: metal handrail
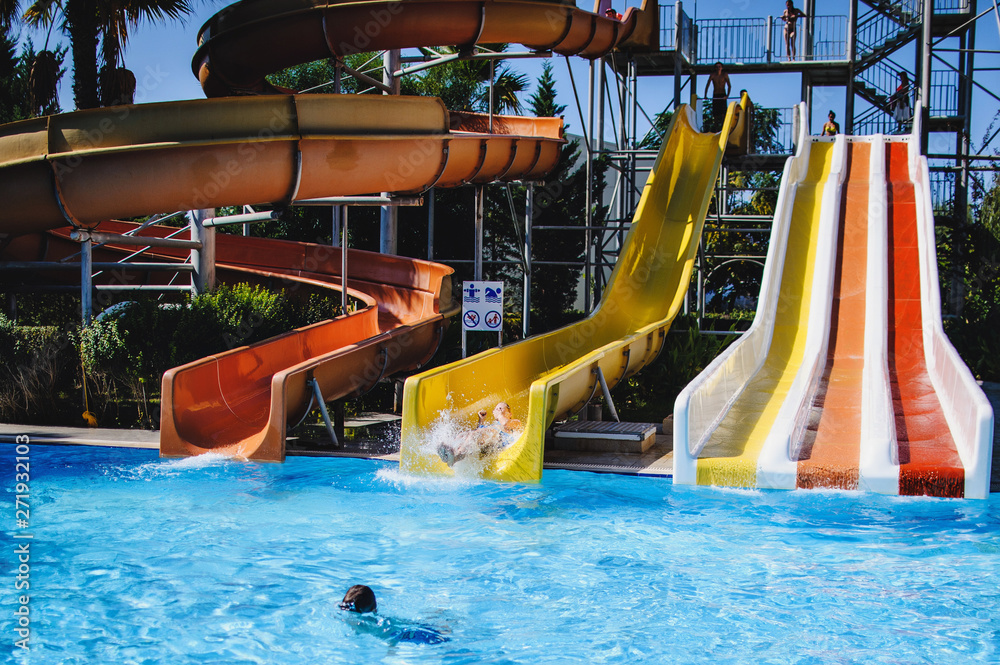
[753, 40]
[829, 39]
[741, 40]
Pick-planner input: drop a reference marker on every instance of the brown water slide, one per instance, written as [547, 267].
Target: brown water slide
[928, 459]
[831, 446]
[90, 166]
[246, 41]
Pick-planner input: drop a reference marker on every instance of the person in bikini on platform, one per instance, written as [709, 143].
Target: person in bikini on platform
[832, 127]
[790, 16]
[487, 439]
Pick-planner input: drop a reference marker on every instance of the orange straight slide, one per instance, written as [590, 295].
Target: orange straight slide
[830, 449]
[928, 459]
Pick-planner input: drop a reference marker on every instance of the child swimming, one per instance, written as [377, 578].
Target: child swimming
[360, 600]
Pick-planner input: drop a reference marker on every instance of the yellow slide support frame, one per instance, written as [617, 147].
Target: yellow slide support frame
[551, 376]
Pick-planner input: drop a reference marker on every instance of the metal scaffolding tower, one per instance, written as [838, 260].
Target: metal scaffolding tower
[881, 53]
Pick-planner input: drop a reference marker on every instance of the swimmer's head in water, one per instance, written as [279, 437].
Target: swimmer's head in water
[501, 410]
[359, 598]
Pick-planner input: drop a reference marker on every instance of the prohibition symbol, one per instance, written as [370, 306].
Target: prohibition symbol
[471, 319]
[493, 319]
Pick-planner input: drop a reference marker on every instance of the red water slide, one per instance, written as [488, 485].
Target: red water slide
[928, 459]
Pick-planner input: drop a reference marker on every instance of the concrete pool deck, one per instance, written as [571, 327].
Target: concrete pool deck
[657, 461]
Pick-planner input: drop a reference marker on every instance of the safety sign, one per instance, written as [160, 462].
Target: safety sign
[482, 305]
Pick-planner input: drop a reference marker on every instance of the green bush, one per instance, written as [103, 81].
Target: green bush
[977, 341]
[39, 368]
[127, 350]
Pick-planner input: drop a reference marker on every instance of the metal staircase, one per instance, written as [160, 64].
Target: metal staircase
[885, 28]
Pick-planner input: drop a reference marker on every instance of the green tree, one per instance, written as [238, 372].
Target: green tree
[16, 94]
[969, 263]
[90, 24]
[464, 85]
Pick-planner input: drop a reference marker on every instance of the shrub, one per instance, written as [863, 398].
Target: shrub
[38, 371]
[127, 351]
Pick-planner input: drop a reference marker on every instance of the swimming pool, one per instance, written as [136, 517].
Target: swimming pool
[137, 560]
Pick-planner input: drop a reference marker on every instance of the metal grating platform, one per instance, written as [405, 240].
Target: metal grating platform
[599, 436]
[596, 429]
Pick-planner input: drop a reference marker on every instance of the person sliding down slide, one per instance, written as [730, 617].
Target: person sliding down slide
[486, 439]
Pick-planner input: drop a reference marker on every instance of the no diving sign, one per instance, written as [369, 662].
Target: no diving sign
[482, 306]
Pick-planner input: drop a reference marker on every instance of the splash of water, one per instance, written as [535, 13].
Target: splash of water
[163, 468]
[451, 429]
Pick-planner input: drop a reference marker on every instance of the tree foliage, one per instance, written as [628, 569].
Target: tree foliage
[98, 33]
[969, 265]
[16, 99]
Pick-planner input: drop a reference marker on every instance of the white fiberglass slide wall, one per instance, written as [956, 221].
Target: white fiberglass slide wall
[965, 406]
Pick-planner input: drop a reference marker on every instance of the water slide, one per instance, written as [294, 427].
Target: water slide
[246, 41]
[553, 375]
[88, 167]
[845, 379]
[91, 166]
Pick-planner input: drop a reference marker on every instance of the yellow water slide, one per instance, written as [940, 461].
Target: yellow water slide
[730, 455]
[551, 376]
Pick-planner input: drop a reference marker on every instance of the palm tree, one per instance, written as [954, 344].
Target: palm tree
[89, 23]
[464, 85]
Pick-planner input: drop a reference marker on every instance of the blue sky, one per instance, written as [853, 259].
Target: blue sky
[160, 55]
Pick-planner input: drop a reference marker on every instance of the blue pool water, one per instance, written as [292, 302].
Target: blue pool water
[137, 560]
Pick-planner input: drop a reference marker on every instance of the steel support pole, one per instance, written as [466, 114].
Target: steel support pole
[86, 280]
[599, 195]
[479, 215]
[529, 212]
[607, 394]
[852, 54]
[966, 90]
[203, 258]
[430, 224]
[343, 263]
[633, 134]
[807, 97]
[769, 40]
[337, 223]
[809, 33]
[389, 218]
[926, 49]
[587, 239]
[678, 70]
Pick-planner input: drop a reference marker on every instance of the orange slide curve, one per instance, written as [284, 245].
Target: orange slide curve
[243, 43]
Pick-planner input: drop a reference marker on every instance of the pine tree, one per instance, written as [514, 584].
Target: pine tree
[543, 102]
